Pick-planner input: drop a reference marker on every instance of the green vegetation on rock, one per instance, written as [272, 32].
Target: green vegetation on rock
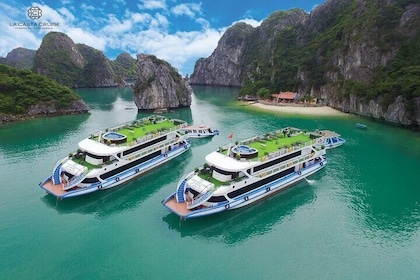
[20, 89]
[312, 50]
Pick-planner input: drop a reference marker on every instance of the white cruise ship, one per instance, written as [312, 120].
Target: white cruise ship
[240, 174]
[109, 158]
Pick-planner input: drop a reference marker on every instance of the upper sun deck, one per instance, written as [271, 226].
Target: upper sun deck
[270, 145]
[137, 131]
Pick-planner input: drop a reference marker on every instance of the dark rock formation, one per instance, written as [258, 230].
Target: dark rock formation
[159, 85]
[20, 58]
[224, 66]
[98, 71]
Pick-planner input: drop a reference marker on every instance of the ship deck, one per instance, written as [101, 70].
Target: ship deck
[179, 208]
[56, 190]
[274, 143]
[140, 128]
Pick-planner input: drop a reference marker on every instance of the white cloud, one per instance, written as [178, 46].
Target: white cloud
[116, 26]
[159, 22]
[250, 21]
[189, 9]
[152, 4]
[66, 14]
[178, 49]
[140, 18]
[85, 7]
[88, 38]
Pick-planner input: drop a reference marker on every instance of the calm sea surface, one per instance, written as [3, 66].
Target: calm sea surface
[359, 218]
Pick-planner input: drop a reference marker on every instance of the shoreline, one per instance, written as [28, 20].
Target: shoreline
[301, 110]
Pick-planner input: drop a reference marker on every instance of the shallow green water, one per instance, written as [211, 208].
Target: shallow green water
[359, 218]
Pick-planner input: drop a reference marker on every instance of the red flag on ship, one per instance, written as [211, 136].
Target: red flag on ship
[230, 136]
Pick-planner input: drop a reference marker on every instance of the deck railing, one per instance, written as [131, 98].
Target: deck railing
[284, 166]
[274, 154]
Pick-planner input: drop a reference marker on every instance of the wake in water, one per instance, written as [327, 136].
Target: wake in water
[310, 182]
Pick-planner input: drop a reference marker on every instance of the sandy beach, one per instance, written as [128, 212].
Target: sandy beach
[318, 111]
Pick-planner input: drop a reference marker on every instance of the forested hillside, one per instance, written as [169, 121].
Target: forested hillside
[22, 90]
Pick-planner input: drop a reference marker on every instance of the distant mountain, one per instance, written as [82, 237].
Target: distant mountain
[125, 66]
[357, 56]
[60, 59]
[20, 58]
[24, 94]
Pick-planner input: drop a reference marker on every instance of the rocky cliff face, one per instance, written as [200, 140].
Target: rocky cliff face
[59, 59]
[224, 66]
[46, 109]
[20, 58]
[76, 107]
[159, 85]
[344, 52]
[98, 71]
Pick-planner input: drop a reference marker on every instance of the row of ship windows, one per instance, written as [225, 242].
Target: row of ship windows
[252, 186]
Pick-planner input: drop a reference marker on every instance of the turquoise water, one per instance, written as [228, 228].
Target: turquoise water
[359, 218]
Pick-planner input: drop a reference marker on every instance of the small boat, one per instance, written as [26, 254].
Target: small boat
[200, 131]
[107, 159]
[249, 171]
[360, 125]
[329, 139]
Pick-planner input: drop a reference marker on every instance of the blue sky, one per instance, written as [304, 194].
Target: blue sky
[179, 32]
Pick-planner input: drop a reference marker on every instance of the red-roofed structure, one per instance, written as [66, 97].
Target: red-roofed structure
[285, 97]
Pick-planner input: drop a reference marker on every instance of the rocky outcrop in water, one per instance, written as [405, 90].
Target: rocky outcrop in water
[159, 85]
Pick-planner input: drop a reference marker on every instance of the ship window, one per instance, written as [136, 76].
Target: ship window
[90, 180]
[95, 156]
[274, 162]
[334, 139]
[142, 146]
[260, 183]
[128, 165]
[224, 172]
[195, 131]
[220, 198]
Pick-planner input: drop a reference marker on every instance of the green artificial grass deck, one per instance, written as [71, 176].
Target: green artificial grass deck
[137, 132]
[272, 144]
[138, 129]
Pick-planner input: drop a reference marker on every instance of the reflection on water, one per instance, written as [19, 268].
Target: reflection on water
[237, 225]
[38, 133]
[121, 198]
[220, 96]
